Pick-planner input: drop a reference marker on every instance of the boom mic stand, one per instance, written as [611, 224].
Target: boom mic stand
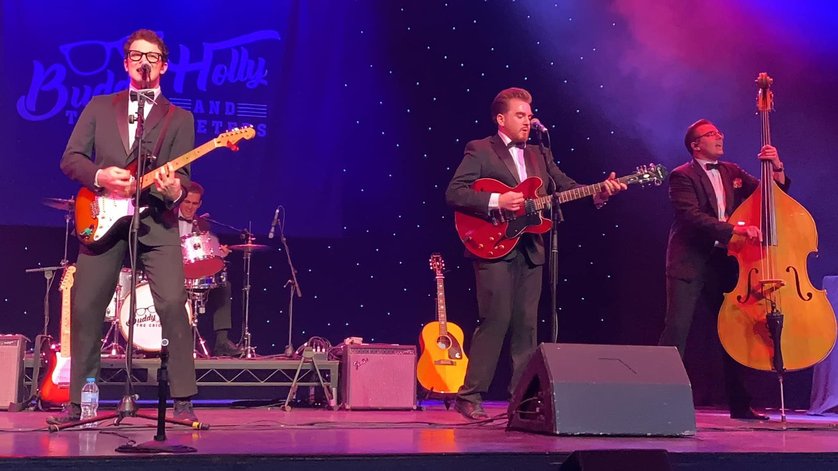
[42, 340]
[557, 217]
[292, 284]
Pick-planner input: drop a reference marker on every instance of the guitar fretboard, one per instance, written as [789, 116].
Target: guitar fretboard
[440, 305]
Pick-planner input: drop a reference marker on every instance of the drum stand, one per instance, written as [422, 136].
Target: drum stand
[248, 349]
[113, 348]
[199, 301]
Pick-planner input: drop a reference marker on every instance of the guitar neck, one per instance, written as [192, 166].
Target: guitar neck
[182, 161]
[65, 312]
[440, 306]
[581, 192]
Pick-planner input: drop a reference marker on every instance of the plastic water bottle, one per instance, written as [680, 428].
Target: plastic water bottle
[89, 400]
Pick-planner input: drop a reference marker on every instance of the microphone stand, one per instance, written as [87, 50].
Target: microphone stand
[292, 284]
[557, 217]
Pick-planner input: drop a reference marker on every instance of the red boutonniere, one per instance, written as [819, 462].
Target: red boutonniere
[737, 183]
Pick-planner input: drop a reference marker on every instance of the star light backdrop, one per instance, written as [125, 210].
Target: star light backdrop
[362, 111]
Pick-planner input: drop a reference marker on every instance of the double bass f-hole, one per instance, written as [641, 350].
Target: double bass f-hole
[809, 295]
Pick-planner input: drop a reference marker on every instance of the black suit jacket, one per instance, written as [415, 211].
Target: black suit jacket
[100, 140]
[696, 226]
[490, 158]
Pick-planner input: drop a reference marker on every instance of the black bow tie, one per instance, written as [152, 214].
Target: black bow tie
[717, 166]
[181, 218]
[133, 95]
[519, 145]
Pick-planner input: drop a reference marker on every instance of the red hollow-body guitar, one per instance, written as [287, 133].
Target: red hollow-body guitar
[442, 366]
[55, 388]
[494, 235]
[98, 215]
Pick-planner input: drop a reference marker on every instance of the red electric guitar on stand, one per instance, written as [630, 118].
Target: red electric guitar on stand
[55, 389]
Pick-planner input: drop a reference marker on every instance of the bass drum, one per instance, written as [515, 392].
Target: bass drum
[122, 289]
[147, 330]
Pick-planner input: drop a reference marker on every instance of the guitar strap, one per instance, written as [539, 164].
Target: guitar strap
[169, 115]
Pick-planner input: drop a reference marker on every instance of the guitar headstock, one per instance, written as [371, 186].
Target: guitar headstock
[765, 97]
[67, 278]
[230, 138]
[437, 263]
[651, 173]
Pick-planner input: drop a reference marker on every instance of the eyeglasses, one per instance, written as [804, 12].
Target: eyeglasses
[137, 56]
[707, 134]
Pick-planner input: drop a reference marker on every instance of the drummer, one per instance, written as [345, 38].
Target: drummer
[219, 301]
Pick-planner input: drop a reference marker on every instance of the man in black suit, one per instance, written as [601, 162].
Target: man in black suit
[509, 288]
[704, 193]
[100, 147]
[218, 299]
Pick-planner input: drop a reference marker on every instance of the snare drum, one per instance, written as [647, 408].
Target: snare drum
[207, 282]
[201, 255]
[122, 289]
[148, 333]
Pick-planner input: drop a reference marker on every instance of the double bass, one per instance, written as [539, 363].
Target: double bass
[775, 319]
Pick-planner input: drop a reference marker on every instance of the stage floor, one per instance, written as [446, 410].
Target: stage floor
[305, 435]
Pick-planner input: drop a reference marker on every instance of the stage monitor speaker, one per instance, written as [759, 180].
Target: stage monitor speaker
[574, 389]
[12, 349]
[617, 460]
[379, 376]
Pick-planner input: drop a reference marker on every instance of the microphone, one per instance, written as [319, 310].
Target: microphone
[204, 216]
[274, 223]
[536, 124]
[145, 69]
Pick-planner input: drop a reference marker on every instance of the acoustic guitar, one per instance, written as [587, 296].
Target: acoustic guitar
[442, 366]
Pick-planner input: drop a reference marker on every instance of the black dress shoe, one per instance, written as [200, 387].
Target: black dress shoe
[227, 349]
[747, 414]
[70, 414]
[183, 410]
[470, 410]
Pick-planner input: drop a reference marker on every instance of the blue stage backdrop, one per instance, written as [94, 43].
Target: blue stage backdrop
[362, 110]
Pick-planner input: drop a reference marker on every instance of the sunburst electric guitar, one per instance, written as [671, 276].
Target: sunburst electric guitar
[494, 235]
[55, 388]
[442, 366]
[100, 214]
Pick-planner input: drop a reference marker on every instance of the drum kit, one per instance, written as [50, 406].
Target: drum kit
[204, 268]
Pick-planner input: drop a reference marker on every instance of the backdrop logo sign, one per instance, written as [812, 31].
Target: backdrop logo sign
[224, 66]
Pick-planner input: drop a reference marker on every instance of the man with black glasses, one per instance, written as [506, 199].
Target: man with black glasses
[101, 146]
[704, 193]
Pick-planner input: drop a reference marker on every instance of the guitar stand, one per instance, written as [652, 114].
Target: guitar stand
[308, 357]
[446, 398]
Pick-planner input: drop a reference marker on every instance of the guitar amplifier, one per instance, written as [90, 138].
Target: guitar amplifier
[12, 349]
[379, 376]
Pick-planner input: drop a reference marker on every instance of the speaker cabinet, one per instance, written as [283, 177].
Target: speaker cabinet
[12, 349]
[617, 460]
[574, 389]
[379, 376]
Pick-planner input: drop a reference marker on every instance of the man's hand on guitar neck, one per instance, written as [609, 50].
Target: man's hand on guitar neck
[116, 180]
[167, 183]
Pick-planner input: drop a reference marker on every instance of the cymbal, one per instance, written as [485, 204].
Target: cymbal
[249, 247]
[59, 203]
